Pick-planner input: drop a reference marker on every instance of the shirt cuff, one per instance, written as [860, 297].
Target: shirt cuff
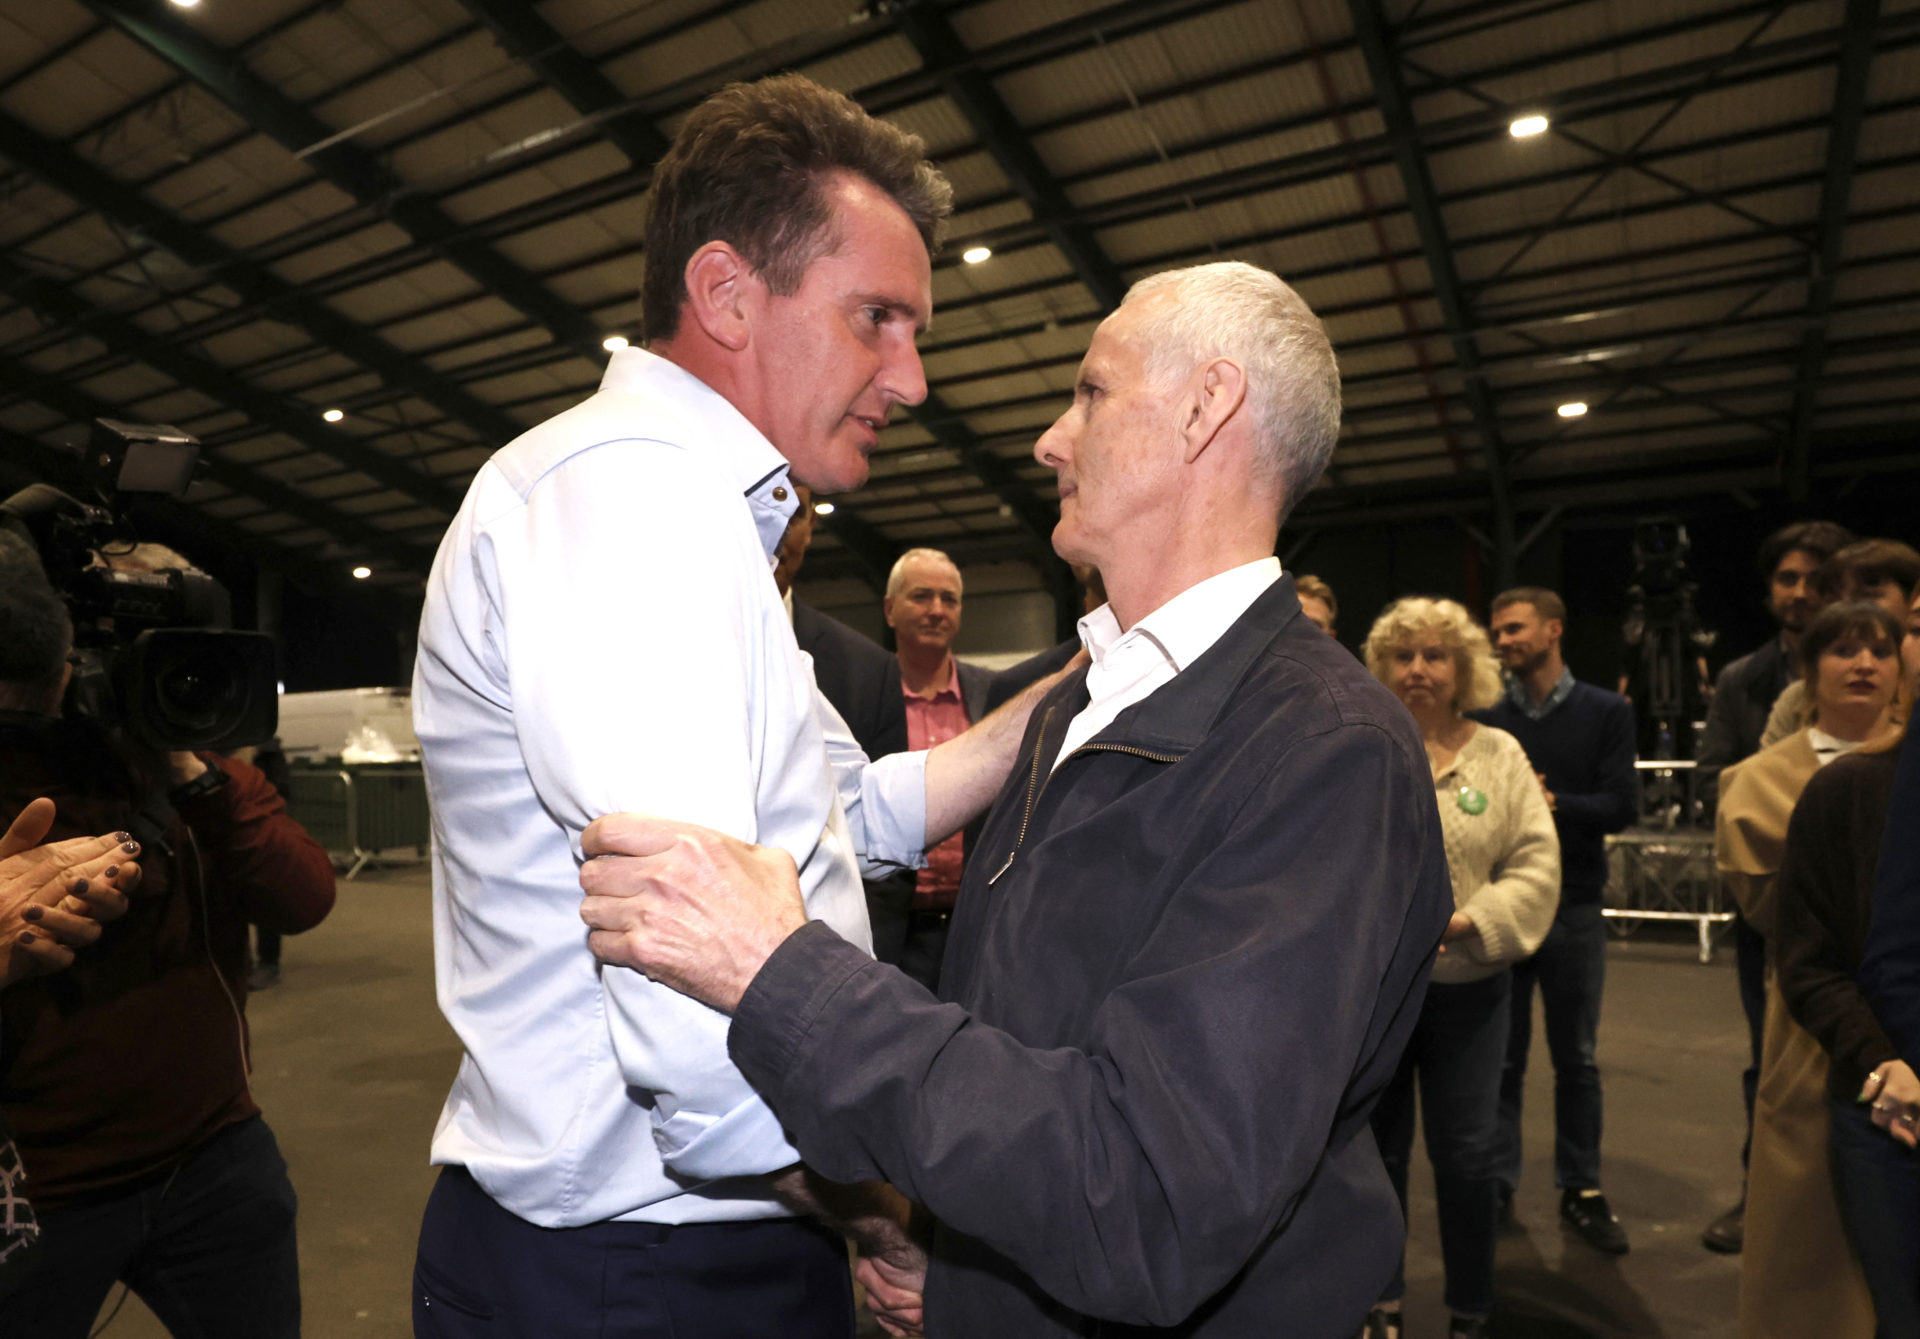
[786, 998]
[893, 809]
[700, 1146]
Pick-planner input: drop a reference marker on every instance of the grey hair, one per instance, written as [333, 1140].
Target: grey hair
[1229, 309]
[898, 576]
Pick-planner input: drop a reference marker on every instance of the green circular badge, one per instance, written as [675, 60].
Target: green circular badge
[1471, 801]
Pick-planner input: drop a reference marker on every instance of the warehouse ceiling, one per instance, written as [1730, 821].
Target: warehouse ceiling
[426, 215]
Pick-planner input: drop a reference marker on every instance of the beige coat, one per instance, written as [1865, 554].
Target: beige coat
[1798, 1274]
[1505, 860]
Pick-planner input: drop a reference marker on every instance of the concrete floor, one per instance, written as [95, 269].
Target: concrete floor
[352, 1062]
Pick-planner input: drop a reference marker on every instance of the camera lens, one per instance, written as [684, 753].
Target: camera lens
[196, 692]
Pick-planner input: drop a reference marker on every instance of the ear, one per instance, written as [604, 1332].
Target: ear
[719, 292]
[1214, 395]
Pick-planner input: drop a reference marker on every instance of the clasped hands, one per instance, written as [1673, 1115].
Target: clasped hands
[55, 897]
[1895, 1093]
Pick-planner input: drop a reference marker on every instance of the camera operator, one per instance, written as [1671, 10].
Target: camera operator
[124, 1076]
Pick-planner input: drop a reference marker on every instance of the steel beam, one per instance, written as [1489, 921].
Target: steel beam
[23, 460]
[1843, 145]
[1396, 109]
[865, 541]
[301, 423]
[350, 531]
[537, 44]
[270, 296]
[344, 164]
[1000, 133]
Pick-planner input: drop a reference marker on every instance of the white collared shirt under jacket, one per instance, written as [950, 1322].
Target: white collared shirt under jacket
[1130, 666]
[602, 634]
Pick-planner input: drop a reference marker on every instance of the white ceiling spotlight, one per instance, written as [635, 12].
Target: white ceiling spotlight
[1526, 126]
[186, 4]
[823, 509]
[614, 343]
[973, 255]
[1572, 409]
[362, 573]
[334, 415]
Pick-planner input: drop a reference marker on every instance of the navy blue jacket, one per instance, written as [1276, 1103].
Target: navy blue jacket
[1182, 968]
[1585, 747]
[1890, 972]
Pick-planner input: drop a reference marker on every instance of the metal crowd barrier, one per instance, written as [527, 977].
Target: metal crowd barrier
[362, 812]
[1659, 874]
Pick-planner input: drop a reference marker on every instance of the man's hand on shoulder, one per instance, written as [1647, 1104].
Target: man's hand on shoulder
[688, 907]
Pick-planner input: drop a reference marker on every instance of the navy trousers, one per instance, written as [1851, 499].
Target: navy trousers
[1877, 1182]
[1570, 970]
[209, 1248]
[483, 1271]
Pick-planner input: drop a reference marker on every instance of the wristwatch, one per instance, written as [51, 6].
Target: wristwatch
[205, 784]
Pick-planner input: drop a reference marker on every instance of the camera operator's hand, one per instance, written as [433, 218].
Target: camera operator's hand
[54, 897]
[184, 767]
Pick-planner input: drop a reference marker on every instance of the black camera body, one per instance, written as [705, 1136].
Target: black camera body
[154, 653]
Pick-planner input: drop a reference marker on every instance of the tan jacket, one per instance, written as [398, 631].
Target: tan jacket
[1757, 796]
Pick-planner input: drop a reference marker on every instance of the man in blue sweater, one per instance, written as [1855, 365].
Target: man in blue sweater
[1580, 740]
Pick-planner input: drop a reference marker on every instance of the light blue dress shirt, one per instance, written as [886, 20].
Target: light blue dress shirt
[601, 634]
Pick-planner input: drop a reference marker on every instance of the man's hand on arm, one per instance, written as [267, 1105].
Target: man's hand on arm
[877, 1219]
[966, 772]
[54, 897]
[686, 906]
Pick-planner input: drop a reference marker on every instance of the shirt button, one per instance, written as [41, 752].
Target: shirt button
[779, 495]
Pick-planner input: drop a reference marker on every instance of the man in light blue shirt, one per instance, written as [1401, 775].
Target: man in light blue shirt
[602, 633]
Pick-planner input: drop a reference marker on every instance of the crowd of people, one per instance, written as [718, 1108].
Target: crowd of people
[1098, 994]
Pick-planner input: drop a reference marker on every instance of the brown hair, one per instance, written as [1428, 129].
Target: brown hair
[750, 168]
[1319, 590]
[1855, 618]
[1870, 562]
[1545, 603]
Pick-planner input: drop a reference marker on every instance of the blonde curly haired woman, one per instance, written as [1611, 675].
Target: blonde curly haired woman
[1504, 856]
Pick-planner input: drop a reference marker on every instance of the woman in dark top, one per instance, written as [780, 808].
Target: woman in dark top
[1890, 975]
[1824, 903]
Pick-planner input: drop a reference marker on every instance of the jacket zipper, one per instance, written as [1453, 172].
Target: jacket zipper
[1033, 781]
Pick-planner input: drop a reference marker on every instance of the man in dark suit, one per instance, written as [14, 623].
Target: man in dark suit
[942, 697]
[856, 674]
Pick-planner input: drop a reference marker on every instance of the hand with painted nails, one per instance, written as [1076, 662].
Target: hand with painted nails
[54, 897]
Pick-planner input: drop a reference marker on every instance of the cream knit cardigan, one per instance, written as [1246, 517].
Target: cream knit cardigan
[1505, 860]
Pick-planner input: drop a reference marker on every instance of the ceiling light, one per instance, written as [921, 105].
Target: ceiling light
[186, 4]
[1527, 125]
[362, 573]
[614, 343]
[823, 509]
[973, 255]
[334, 415]
[1572, 409]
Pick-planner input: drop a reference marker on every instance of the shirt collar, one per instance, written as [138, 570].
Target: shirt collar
[1518, 695]
[1184, 627]
[950, 689]
[750, 459]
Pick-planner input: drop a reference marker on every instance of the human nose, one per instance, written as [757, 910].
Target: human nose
[902, 378]
[1053, 448]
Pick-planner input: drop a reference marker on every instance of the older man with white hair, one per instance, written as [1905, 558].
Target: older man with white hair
[1197, 927]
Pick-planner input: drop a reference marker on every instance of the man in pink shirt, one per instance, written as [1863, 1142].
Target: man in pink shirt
[943, 697]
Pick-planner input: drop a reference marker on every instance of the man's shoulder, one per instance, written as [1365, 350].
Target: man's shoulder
[1741, 669]
[603, 419]
[815, 630]
[1593, 697]
[1312, 684]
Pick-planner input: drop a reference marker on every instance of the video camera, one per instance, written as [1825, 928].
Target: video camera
[154, 651]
